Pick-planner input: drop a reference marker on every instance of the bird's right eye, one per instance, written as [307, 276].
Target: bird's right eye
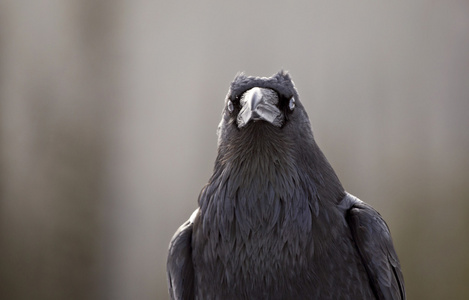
[292, 105]
[230, 106]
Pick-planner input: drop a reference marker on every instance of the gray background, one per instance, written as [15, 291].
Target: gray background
[108, 114]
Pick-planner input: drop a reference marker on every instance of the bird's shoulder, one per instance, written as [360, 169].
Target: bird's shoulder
[374, 243]
[179, 264]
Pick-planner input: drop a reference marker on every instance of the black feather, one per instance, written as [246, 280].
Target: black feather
[274, 220]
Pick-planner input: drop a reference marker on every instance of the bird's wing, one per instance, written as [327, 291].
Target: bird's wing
[179, 266]
[374, 243]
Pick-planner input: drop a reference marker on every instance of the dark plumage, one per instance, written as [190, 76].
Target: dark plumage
[274, 221]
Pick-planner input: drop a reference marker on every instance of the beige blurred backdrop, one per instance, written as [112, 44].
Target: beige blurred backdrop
[108, 116]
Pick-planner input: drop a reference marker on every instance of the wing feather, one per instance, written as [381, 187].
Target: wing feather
[179, 265]
[374, 243]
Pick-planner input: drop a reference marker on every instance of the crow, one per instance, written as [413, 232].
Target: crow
[274, 221]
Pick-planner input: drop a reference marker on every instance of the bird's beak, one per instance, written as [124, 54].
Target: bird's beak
[259, 104]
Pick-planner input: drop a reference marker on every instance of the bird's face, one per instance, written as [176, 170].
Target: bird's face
[263, 109]
[256, 105]
[260, 104]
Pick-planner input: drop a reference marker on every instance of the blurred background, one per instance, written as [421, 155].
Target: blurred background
[109, 110]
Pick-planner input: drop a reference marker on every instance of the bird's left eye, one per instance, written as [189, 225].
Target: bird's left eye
[230, 106]
[291, 104]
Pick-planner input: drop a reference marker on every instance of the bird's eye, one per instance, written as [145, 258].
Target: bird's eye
[291, 104]
[229, 106]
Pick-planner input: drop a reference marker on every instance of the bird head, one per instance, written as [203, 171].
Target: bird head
[263, 102]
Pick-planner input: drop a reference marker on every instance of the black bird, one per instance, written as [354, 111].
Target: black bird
[274, 221]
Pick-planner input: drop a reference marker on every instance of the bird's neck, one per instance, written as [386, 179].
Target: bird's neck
[263, 199]
[259, 188]
[265, 182]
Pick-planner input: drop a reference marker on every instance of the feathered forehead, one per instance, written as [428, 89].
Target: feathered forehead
[280, 82]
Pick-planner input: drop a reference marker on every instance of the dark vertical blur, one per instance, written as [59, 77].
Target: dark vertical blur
[108, 114]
